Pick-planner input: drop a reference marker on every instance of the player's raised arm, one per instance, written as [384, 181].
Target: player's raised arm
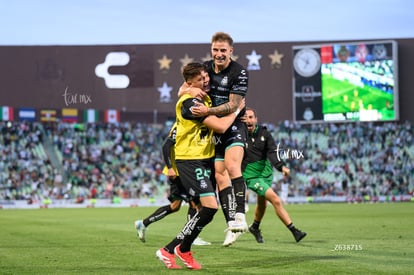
[221, 124]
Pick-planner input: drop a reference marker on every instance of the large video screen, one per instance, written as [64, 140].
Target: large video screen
[346, 82]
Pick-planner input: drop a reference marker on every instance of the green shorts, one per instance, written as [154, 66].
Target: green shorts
[260, 185]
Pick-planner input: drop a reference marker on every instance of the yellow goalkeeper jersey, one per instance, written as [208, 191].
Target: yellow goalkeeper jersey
[194, 140]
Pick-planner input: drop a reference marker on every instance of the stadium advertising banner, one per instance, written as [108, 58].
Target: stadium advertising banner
[346, 82]
[118, 83]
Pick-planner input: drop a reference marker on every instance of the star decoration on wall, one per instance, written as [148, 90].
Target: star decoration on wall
[234, 57]
[276, 59]
[253, 61]
[206, 58]
[184, 61]
[165, 93]
[164, 62]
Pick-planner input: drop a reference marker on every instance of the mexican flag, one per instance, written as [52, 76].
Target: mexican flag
[112, 116]
[6, 113]
[90, 116]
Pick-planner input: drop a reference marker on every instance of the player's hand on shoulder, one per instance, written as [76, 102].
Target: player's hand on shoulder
[199, 109]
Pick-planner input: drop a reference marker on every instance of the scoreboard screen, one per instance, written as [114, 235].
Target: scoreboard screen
[345, 82]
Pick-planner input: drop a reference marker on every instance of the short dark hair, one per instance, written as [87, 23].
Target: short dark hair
[253, 110]
[222, 36]
[193, 69]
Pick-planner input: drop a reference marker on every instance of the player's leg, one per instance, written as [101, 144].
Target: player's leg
[227, 201]
[283, 215]
[194, 207]
[163, 211]
[281, 212]
[259, 186]
[160, 213]
[181, 244]
[193, 228]
[234, 141]
[232, 162]
[224, 187]
[175, 198]
[225, 191]
[189, 228]
[259, 212]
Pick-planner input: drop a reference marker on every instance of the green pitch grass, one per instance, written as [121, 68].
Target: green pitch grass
[342, 97]
[342, 239]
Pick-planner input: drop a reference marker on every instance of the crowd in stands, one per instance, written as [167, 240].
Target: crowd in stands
[357, 160]
[107, 161]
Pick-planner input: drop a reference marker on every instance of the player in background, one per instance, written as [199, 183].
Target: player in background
[260, 158]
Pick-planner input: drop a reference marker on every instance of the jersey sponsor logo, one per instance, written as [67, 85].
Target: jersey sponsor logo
[203, 184]
[224, 81]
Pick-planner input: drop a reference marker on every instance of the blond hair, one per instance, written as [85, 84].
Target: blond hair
[222, 37]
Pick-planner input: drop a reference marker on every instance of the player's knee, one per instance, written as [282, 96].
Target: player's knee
[222, 181]
[277, 202]
[175, 206]
[234, 170]
[274, 199]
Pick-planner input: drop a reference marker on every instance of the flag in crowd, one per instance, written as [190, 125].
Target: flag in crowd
[47, 115]
[69, 115]
[6, 113]
[112, 116]
[27, 114]
[90, 115]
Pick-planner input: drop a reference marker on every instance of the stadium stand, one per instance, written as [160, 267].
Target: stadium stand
[67, 161]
